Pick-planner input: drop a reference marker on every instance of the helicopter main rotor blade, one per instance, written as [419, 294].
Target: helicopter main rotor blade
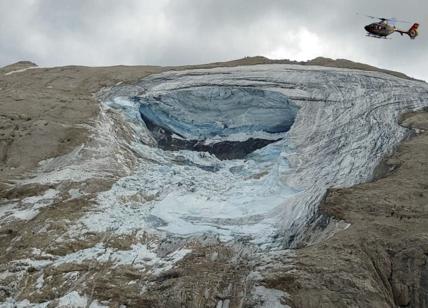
[372, 17]
[393, 19]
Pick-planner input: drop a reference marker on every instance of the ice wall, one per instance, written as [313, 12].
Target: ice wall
[206, 111]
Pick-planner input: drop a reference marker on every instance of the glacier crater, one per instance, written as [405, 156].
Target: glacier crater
[298, 130]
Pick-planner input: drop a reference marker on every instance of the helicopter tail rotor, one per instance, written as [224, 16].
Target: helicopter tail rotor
[412, 32]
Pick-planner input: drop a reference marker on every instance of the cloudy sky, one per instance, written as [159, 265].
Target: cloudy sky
[172, 32]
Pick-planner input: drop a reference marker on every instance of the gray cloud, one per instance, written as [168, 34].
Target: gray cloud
[168, 32]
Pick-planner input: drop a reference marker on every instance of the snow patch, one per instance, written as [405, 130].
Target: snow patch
[270, 298]
[39, 282]
[139, 256]
[20, 70]
[28, 208]
[72, 299]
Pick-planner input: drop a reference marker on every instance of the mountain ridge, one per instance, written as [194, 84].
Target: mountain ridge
[254, 60]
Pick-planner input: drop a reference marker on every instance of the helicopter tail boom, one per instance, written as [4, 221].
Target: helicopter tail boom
[412, 32]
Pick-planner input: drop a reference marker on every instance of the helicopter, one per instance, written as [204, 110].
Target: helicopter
[386, 26]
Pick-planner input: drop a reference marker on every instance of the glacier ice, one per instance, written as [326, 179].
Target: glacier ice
[224, 121]
[209, 111]
[326, 127]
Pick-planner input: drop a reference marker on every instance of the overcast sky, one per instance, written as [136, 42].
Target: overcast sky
[172, 32]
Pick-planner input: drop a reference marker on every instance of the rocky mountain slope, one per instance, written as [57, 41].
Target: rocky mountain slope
[218, 185]
[381, 259]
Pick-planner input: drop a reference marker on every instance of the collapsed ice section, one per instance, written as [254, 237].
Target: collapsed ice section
[341, 124]
[229, 122]
[206, 112]
[185, 186]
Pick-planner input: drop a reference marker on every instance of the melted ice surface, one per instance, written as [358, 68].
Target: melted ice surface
[187, 192]
[236, 199]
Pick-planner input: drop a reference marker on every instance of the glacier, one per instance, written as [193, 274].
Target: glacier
[315, 128]
[200, 180]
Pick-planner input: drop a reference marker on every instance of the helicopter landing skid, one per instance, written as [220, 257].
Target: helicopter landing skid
[378, 37]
